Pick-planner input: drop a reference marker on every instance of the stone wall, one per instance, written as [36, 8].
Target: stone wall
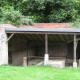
[3, 47]
[20, 50]
[70, 50]
[31, 51]
[55, 50]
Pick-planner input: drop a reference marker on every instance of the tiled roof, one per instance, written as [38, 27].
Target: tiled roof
[48, 25]
[39, 25]
[6, 25]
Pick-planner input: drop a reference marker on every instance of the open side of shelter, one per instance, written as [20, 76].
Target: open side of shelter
[40, 44]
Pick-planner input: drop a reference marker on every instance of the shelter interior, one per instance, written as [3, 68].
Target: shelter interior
[32, 46]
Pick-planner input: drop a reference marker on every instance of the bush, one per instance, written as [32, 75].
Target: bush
[76, 23]
[14, 17]
[57, 15]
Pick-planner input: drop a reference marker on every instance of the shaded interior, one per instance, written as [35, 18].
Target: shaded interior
[32, 46]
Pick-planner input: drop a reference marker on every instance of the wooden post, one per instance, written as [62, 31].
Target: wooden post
[46, 44]
[46, 56]
[75, 46]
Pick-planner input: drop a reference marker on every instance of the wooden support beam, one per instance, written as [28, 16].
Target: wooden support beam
[42, 33]
[25, 37]
[46, 56]
[56, 37]
[43, 57]
[70, 41]
[73, 40]
[10, 37]
[34, 37]
[40, 37]
[62, 38]
[46, 44]
[77, 39]
[42, 43]
[75, 45]
[51, 37]
[67, 37]
[29, 37]
[18, 36]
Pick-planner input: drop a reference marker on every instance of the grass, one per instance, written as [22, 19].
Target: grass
[38, 73]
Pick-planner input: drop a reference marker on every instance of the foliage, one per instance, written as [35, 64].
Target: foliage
[76, 23]
[38, 73]
[11, 16]
[52, 10]
[46, 10]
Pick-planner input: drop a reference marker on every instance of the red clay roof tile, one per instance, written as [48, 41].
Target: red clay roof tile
[40, 25]
[48, 25]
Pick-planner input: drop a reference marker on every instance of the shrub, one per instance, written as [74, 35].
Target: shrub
[14, 17]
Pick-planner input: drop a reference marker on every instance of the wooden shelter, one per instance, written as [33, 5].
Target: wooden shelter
[56, 40]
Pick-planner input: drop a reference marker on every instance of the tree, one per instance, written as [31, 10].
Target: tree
[11, 16]
[51, 10]
[46, 10]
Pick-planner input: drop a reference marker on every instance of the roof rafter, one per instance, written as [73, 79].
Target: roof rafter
[17, 36]
[10, 37]
[51, 38]
[34, 37]
[57, 37]
[29, 37]
[40, 37]
[62, 38]
[67, 37]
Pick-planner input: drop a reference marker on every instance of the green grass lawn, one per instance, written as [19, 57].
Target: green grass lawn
[38, 73]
